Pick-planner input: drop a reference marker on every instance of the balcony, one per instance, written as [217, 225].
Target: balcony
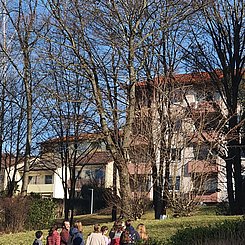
[202, 166]
[40, 188]
[208, 198]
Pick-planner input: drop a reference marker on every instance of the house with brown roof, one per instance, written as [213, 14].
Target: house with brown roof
[92, 165]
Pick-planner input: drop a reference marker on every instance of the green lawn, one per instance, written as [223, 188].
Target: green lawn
[158, 229]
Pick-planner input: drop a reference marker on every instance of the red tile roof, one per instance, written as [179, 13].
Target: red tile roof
[10, 160]
[99, 157]
[96, 158]
[189, 78]
[80, 137]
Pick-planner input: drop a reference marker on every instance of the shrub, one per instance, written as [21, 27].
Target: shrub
[223, 208]
[41, 212]
[152, 241]
[14, 212]
[225, 232]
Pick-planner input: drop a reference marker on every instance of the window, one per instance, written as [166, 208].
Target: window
[177, 96]
[99, 174]
[30, 179]
[34, 180]
[205, 184]
[88, 174]
[201, 152]
[209, 96]
[211, 185]
[176, 184]
[178, 125]
[186, 170]
[175, 154]
[243, 152]
[48, 179]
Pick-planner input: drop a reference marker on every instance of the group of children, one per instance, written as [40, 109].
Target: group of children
[120, 234]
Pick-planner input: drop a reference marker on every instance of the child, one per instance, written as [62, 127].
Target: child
[143, 234]
[39, 236]
[115, 236]
[104, 230]
[96, 237]
[53, 237]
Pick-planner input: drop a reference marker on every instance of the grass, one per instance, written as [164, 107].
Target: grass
[157, 229]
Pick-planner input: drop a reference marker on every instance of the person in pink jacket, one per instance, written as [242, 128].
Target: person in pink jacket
[53, 236]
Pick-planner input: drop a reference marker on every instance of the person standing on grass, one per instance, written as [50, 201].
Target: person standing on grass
[96, 237]
[113, 229]
[64, 234]
[53, 236]
[76, 236]
[129, 235]
[104, 231]
[38, 239]
[141, 229]
[116, 233]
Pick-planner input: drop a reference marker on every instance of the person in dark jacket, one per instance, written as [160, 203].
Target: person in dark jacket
[130, 235]
[38, 239]
[76, 236]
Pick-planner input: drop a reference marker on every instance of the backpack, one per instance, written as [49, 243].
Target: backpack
[128, 238]
[115, 241]
[36, 242]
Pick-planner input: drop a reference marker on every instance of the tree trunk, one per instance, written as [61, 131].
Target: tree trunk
[28, 92]
[233, 163]
[125, 191]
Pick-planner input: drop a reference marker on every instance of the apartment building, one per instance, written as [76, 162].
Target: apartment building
[187, 114]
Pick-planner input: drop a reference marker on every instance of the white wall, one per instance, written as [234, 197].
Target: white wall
[109, 175]
[17, 177]
[58, 191]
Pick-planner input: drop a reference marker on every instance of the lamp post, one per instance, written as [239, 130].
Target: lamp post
[92, 200]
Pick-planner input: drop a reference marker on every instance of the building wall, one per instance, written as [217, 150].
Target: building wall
[45, 189]
[58, 190]
[109, 175]
[197, 98]
[10, 172]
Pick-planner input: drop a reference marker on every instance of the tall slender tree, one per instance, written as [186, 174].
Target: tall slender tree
[22, 28]
[216, 45]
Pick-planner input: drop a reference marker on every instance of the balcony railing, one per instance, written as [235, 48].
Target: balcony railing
[202, 166]
[210, 198]
[204, 107]
[40, 188]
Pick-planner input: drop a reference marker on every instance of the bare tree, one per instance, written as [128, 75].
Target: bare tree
[104, 37]
[3, 85]
[66, 113]
[22, 18]
[160, 57]
[116, 43]
[217, 47]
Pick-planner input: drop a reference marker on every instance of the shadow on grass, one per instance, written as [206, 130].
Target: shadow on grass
[90, 219]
